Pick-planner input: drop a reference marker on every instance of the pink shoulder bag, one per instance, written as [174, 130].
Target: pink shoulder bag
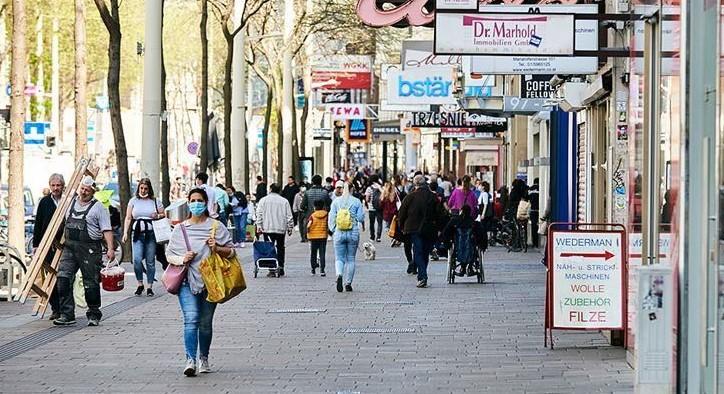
[174, 275]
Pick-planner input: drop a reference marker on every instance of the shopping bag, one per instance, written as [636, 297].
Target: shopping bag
[250, 232]
[174, 275]
[79, 291]
[223, 277]
[162, 230]
[392, 232]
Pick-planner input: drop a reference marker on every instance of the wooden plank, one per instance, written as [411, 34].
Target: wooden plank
[38, 264]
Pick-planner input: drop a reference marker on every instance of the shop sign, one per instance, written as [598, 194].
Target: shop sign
[414, 12]
[465, 132]
[438, 119]
[505, 34]
[341, 72]
[322, 134]
[481, 158]
[587, 279]
[358, 130]
[336, 97]
[484, 120]
[433, 85]
[347, 111]
[470, 5]
[586, 39]
[536, 86]
[387, 130]
[386, 106]
[419, 54]
[518, 105]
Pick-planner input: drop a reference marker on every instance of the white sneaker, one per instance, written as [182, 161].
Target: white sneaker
[204, 365]
[190, 369]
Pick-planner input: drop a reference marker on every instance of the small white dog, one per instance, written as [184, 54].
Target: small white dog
[369, 250]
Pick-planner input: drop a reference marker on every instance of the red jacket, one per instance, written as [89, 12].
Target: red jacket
[389, 209]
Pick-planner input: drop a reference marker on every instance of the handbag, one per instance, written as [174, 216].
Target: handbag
[392, 232]
[174, 275]
[223, 277]
[161, 230]
[543, 227]
[523, 212]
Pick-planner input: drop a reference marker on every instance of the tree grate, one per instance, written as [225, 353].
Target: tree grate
[297, 311]
[388, 303]
[379, 330]
[43, 337]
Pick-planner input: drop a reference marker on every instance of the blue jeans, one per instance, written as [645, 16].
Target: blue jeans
[345, 249]
[240, 224]
[421, 249]
[145, 248]
[198, 317]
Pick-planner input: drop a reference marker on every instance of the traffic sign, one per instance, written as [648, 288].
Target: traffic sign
[587, 274]
[34, 132]
[193, 148]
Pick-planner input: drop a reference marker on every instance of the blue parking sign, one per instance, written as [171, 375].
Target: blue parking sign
[35, 132]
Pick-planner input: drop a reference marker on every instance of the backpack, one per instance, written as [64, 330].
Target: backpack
[523, 210]
[344, 220]
[376, 199]
[488, 208]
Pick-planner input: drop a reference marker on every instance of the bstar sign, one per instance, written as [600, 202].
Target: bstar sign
[432, 85]
[505, 34]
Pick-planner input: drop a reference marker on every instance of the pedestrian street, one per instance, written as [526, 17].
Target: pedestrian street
[297, 334]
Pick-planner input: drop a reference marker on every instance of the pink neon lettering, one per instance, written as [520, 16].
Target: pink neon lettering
[413, 11]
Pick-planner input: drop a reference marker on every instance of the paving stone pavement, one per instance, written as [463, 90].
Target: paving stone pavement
[456, 338]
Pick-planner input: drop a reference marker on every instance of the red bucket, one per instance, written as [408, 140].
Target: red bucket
[113, 278]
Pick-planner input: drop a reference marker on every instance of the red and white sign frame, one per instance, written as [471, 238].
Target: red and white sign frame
[551, 301]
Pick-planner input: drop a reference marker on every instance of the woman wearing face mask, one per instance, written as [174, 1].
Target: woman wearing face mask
[198, 313]
[142, 210]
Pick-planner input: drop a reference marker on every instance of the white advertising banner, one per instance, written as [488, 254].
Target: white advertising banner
[504, 34]
[470, 5]
[586, 39]
[587, 280]
[430, 85]
[347, 111]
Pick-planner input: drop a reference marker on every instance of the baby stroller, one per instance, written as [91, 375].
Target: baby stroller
[466, 254]
[265, 257]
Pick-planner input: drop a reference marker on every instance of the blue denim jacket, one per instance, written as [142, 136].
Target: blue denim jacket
[355, 208]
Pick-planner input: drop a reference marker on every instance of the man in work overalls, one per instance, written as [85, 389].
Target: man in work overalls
[87, 224]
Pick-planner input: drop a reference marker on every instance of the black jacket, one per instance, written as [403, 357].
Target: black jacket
[46, 208]
[421, 212]
[289, 192]
[260, 191]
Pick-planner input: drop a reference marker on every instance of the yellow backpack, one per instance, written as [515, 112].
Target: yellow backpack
[344, 220]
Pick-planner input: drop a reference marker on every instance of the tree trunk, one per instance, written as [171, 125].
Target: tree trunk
[203, 146]
[227, 106]
[280, 146]
[16, 206]
[81, 81]
[265, 133]
[165, 171]
[295, 141]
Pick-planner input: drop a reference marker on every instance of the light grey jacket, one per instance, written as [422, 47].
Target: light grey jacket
[274, 215]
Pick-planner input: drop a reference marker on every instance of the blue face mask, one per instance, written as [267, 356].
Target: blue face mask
[197, 208]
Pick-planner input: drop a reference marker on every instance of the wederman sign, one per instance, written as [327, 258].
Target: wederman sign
[504, 34]
[587, 280]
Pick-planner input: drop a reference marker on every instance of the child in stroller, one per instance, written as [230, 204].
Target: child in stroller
[468, 239]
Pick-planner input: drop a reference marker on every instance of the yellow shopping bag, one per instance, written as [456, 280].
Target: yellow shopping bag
[223, 277]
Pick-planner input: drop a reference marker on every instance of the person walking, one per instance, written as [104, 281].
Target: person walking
[316, 192]
[344, 217]
[87, 225]
[317, 233]
[202, 180]
[373, 199]
[300, 218]
[223, 202]
[389, 203]
[533, 195]
[239, 214]
[485, 204]
[274, 219]
[421, 216]
[142, 210]
[260, 188]
[191, 243]
[46, 209]
[465, 195]
[290, 191]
